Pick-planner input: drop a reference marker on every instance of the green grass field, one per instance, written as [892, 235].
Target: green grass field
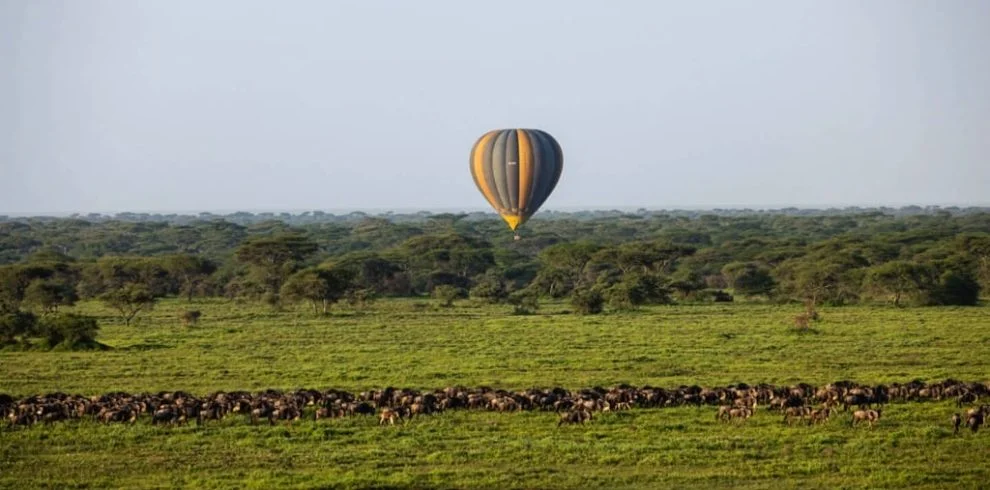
[413, 344]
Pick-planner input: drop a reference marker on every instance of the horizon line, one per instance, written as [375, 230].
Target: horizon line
[471, 210]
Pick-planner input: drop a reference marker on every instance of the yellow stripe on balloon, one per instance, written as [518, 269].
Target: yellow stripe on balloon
[525, 168]
[478, 168]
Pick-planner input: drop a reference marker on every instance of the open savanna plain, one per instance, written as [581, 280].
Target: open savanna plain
[414, 344]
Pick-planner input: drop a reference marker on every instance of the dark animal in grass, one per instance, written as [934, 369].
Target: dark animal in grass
[956, 421]
[966, 398]
[264, 411]
[975, 420]
[163, 415]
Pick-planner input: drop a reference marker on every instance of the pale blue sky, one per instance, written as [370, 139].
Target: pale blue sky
[159, 105]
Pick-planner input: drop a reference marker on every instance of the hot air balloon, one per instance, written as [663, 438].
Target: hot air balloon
[516, 170]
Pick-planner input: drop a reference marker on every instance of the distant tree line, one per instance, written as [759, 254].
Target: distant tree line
[617, 262]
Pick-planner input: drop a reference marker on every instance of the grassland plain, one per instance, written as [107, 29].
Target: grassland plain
[408, 343]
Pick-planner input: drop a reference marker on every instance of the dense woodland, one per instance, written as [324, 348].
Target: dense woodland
[600, 261]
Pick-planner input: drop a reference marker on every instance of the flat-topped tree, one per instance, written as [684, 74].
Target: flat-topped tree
[320, 286]
[129, 300]
[273, 258]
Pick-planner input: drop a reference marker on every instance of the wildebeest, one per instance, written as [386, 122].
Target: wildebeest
[388, 415]
[819, 416]
[578, 416]
[975, 418]
[792, 413]
[868, 416]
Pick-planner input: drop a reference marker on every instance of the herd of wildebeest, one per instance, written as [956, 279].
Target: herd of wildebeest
[801, 403]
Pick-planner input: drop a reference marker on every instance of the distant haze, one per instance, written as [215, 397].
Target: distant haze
[244, 105]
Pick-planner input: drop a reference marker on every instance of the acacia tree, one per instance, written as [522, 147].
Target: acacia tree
[189, 272]
[129, 300]
[273, 259]
[320, 286]
[815, 280]
[50, 294]
[562, 267]
[898, 278]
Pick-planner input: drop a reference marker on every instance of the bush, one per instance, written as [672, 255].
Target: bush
[956, 288]
[18, 324]
[359, 298]
[623, 296]
[635, 290]
[748, 278]
[490, 290]
[714, 296]
[588, 301]
[524, 302]
[447, 294]
[69, 330]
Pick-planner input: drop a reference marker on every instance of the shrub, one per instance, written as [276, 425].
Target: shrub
[956, 288]
[714, 296]
[490, 290]
[69, 330]
[359, 298]
[524, 302]
[16, 324]
[588, 301]
[447, 294]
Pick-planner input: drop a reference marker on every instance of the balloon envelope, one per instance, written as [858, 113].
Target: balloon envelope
[516, 170]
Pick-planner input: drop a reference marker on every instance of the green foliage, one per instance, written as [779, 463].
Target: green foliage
[68, 331]
[189, 274]
[490, 289]
[447, 294]
[273, 258]
[956, 288]
[65, 331]
[17, 326]
[524, 301]
[814, 281]
[898, 278]
[373, 272]
[824, 256]
[129, 300]
[714, 296]
[636, 290]
[322, 287]
[49, 294]
[588, 301]
[749, 278]
[361, 298]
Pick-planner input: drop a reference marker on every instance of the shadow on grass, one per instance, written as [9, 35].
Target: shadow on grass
[146, 346]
